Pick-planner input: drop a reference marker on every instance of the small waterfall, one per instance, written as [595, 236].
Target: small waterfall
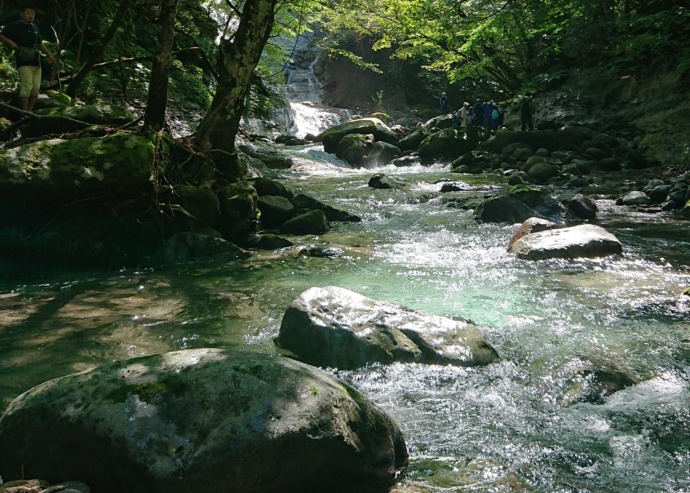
[303, 89]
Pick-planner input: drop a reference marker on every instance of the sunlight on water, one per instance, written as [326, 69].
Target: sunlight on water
[535, 421]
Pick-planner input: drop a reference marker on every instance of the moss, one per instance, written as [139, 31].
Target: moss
[148, 391]
[117, 156]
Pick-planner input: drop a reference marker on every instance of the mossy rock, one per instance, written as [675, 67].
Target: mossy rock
[60, 168]
[212, 420]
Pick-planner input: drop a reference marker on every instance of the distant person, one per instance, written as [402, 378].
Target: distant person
[526, 107]
[454, 119]
[495, 117]
[23, 38]
[444, 104]
[488, 108]
[478, 113]
[465, 118]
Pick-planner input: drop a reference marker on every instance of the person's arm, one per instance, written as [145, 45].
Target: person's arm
[8, 42]
[43, 48]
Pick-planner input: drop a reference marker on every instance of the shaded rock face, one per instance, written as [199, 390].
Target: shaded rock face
[336, 327]
[202, 420]
[586, 240]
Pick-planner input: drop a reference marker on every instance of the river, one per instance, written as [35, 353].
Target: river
[503, 427]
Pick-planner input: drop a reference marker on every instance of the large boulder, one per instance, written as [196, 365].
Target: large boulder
[586, 240]
[59, 168]
[202, 420]
[502, 209]
[382, 153]
[335, 327]
[353, 148]
[531, 225]
[446, 144]
[275, 210]
[310, 223]
[373, 126]
[411, 142]
[518, 203]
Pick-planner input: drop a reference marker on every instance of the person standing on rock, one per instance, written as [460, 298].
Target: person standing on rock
[526, 113]
[444, 104]
[465, 114]
[23, 37]
[478, 113]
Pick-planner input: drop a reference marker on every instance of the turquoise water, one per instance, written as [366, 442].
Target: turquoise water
[505, 427]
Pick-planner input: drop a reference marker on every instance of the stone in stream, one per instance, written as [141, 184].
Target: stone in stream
[202, 420]
[335, 327]
[585, 240]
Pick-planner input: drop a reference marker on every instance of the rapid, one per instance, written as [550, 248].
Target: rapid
[510, 426]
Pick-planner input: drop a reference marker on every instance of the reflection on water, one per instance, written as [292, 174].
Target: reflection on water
[498, 428]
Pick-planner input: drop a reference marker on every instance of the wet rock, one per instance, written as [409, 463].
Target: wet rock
[594, 381]
[312, 222]
[531, 225]
[542, 172]
[353, 148]
[212, 420]
[321, 252]
[275, 210]
[267, 242]
[268, 186]
[659, 193]
[187, 245]
[238, 211]
[290, 140]
[636, 198]
[336, 327]
[502, 209]
[382, 153]
[582, 207]
[405, 161]
[586, 240]
[270, 156]
[373, 126]
[445, 144]
[411, 142]
[386, 182]
[305, 202]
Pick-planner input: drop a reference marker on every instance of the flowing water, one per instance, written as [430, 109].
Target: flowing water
[505, 427]
[510, 426]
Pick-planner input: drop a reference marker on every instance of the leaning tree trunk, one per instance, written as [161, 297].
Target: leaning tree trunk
[239, 58]
[158, 85]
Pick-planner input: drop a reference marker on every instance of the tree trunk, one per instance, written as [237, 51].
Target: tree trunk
[239, 58]
[74, 84]
[158, 85]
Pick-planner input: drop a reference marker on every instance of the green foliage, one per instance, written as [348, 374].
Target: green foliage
[660, 40]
